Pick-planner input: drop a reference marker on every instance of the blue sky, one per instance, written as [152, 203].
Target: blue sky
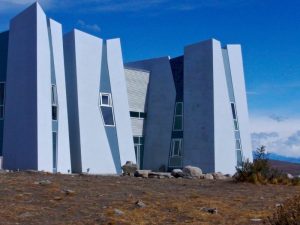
[269, 32]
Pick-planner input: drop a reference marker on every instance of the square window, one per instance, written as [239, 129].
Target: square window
[134, 114]
[105, 99]
[54, 95]
[236, 126]
[2, 91]
[108, 116]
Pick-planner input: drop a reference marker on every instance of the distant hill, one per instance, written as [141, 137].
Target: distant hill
[286, 167]
[274, 156]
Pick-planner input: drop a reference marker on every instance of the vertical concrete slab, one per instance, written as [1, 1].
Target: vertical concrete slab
[43, 76]
[20, 148]
[238, 83]
[160, 111]
[120, 100]
[63, 157]
[199, 106]
[225, 155]
[95, 155]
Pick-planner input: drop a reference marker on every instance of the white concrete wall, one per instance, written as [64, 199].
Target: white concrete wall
[224, 140]
[95, 151]
[43, 76]
[20, 127]
[238, 82]
[120, 100]
[63, 156]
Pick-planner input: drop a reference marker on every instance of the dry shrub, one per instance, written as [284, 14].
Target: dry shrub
[286, 214]
[260, 171]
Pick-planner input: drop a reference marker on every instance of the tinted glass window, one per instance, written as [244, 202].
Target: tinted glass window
[178, 123]
[54, 112]
[134, 114]
[105, 100]
[108, 117]
[179, 108]
[233, 110]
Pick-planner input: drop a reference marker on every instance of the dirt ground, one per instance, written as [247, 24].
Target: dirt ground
[75, 199]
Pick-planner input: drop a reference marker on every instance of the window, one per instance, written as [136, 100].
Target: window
[106, 107]
[176, 147]
[54, 102]
[2, 96]
[139, 150]
[233, 110]
[178, 117]
[140, 115]
[54, 151]
[105, 99]
[237, 144]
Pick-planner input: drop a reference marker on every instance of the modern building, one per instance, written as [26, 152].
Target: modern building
[196, 109]
[68, 104]
[34, 104]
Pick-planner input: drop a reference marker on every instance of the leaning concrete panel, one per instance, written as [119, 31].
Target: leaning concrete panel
[120, 100]
[43, 76]
[199, 106]
[95, 155]
[20, 128]
[225, 155]
[63, 156]
[238, 82]
[160, 111]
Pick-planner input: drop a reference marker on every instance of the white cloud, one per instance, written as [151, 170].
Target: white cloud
[90, 27]
[281, 137]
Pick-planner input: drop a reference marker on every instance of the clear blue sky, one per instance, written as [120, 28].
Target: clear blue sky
[269, 32]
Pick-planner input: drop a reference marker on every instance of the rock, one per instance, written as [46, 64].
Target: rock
[219, 176]
[140, 204]
[210, 210]
[43, 182]
[69, 192]
[177, 173]
[290, 176]
[118, 212]
[256, 220]
[142, 173]
[31, 171]
[192, 171]
[278, 205]
[129, 168]
[26, 214]
[159, 175]
[57, 198]
[208, 176]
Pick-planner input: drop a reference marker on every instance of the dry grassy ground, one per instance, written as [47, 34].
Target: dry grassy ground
[168, 201]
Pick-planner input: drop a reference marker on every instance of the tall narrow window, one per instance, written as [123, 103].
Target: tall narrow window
[54, 102]
[233, 110]
[54, 151]
[176, 147]
[2, 96]
[178, 117]
[106, 106]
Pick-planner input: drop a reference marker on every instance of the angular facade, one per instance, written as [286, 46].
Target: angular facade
[197, 109]
[68, 104]
[99, 122]
[35, 133]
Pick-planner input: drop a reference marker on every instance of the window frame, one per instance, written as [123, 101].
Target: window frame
[109, 99]
[109, 105]
[54, 101]
[180, 147]
[178, 115]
